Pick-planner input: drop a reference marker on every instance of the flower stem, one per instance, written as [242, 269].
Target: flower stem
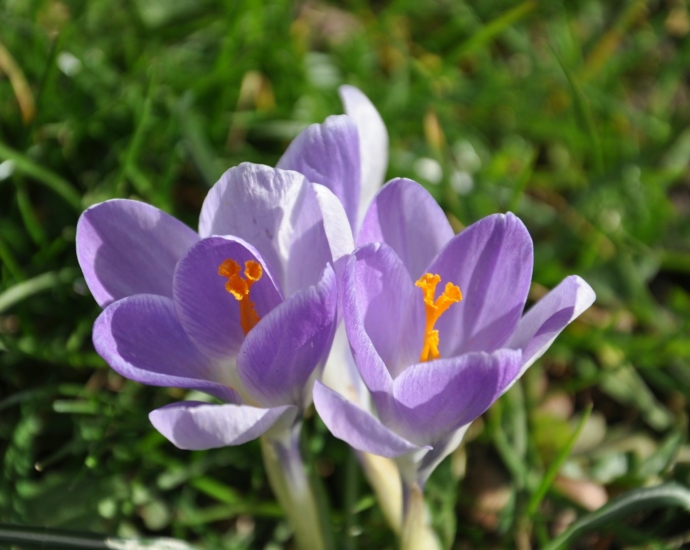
[384, 478]
[289, 481]
[416, 533]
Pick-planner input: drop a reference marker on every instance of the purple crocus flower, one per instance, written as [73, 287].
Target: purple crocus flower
[245, 310]
[349, 155]
[436, 326]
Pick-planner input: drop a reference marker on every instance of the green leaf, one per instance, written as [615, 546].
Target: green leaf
[663, 496]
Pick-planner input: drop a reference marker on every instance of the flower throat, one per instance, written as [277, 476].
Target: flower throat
[239, 287]
[434, 309]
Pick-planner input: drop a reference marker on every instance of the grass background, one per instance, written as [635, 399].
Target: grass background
[574, 115]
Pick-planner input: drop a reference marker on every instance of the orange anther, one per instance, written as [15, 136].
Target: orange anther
[253, 270]
[240, 288]
[228, 268]
[434, 309]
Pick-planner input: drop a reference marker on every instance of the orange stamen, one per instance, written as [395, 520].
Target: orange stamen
[240, 288]
[434, 309]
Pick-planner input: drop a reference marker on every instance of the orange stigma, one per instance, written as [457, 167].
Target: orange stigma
[434, 310]
[239, 287]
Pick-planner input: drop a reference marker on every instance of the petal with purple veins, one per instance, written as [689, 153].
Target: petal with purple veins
[407, 218]
[280, 356]
[128, 247]
[328, 154]
[357, 427]
[197, 426]
[491, 261]
[430, 400]
[278, 213]
[141, 339]
[385, 335]
[209, 314]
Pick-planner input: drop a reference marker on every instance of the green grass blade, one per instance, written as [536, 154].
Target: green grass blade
[37, 537]
[46, 281]
[493, 29]
[135, 146]
[663, 496]
[555, 466]
[585, 113]
[10, 262]
[31, 223]
[28, 167]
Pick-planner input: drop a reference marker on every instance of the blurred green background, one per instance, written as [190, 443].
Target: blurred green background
[574, 115]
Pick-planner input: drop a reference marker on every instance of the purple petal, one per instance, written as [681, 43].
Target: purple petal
[436, 398]
[373, 142]
[337, 227]
[280, 355]
[541, 325]
[277, 212]
[376, 293]
[328, 154]
[209, 314]
[491, 261]
[407, 218]
[128, 247]
[141, 338]
[357, 427]
[198, 426]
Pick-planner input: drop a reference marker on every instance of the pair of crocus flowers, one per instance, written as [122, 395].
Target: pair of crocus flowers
[246, 309]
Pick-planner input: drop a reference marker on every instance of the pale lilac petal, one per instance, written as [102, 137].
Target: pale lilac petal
[430, 400]
[337, 227]
[357, 427]
[197, 426]
[328, 154]
[141, 338]
[278, 213]
[441, 450]
[280, 356]
[407, 218]
[341, 374]
[128, 247]
[541, 325]
[207, 311]
[491, 261]
[373, 142]
[376, 297]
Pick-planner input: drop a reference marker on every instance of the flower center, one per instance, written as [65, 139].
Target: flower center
[434, 310]
[239, 287]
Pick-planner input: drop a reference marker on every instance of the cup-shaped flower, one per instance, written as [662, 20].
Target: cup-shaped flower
[436, 326]
[245, 310]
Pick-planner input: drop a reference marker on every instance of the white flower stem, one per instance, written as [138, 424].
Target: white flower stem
[416, 533]
[384, 478]
[289, 481]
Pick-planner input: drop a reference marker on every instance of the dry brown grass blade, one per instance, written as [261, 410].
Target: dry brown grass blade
[20, 86]
[611, 39]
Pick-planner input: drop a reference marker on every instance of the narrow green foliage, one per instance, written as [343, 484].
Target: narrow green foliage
[555, 466]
